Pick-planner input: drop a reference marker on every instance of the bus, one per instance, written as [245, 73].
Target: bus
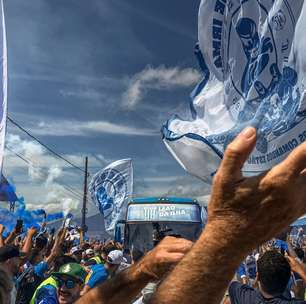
[150, 219]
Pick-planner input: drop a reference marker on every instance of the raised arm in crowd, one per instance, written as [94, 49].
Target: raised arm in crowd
[242, 214]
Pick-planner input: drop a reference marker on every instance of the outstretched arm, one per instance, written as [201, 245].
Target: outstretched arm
[297, 267]
[2, 228]
[242, 214]
[125, 286]
[29, 240]
[57, 245]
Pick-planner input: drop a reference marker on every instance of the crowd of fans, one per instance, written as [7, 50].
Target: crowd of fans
[45, 268]
[42, 267]
[237, 259]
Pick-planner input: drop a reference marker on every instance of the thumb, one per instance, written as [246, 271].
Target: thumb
[236, 154]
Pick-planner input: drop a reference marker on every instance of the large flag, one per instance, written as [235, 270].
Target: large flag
[3, 82]
[253, 57]
[111, 189]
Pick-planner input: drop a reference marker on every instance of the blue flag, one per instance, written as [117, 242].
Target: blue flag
[3, 82]
[253, 56]
[111, 189]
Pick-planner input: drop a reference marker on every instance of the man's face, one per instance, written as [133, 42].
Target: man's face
[69, 290]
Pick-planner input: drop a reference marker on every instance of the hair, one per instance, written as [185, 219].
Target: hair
[6, 286]
[41, 242]
[109, 247]
[33, 255]
[300, 253]
[273, 272]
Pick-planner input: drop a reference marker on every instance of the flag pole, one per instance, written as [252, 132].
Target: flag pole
[84, 209]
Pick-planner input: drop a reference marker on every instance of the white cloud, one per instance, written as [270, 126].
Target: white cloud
[80, 128]
[160, 78]
[40, 176]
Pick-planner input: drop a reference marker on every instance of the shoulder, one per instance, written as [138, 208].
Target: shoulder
[41, 268]
[97, 276]
[98, 268]
[240, 293]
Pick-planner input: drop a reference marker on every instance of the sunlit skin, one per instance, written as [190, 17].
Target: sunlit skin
[69, 296]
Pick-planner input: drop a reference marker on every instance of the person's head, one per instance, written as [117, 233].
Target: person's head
[97, 249]
[40, 243]
[300, 253]
[70, 279]
[76, 253]
[10, 258]
[273, 271]
[107, 249]
[113, 260]
[6, 286]
[89, 253]
[36, 256]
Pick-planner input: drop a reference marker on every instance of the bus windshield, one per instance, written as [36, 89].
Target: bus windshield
[141, 235]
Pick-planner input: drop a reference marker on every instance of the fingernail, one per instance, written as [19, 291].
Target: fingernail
[248, 132]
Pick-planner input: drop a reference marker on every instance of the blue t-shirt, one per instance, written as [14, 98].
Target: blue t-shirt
[41, 268]
[281, 245]
[97, 275]
[244, 294]
[241, 272]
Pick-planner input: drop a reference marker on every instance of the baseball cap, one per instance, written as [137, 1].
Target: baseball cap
[73, 270]
[115, 257]
[75, 249]
[8, 252]
[89, 251]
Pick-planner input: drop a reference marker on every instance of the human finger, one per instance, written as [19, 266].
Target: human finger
[295, 163]
[172, 257]
[181, 246]
[236, 154]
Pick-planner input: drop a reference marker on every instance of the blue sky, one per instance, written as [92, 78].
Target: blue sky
[98, 78]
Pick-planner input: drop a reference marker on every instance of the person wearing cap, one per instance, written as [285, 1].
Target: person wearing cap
[89, 253]
[98, 273]
[76, 253]
[65, 287]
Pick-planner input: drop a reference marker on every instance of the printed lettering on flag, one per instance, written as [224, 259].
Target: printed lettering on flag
[253, 61]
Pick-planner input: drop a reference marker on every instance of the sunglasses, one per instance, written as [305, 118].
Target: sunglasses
[69, 284]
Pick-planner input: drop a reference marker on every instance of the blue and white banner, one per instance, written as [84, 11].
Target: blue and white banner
[3, 82]
[111, 189]
[253, 57]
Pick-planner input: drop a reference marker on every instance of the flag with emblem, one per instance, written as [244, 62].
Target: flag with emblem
[3, 85]
[111, 189]
[253, 56]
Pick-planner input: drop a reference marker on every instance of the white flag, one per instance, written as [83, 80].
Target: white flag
[253, 57]
[111, 189]
[3, 82]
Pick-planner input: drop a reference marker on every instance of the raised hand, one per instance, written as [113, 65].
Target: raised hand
[253, 210]
[164, 256]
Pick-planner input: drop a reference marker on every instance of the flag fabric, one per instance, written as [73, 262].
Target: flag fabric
[253, 57]
[7, 191]
[3, 82]
[111, 189]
